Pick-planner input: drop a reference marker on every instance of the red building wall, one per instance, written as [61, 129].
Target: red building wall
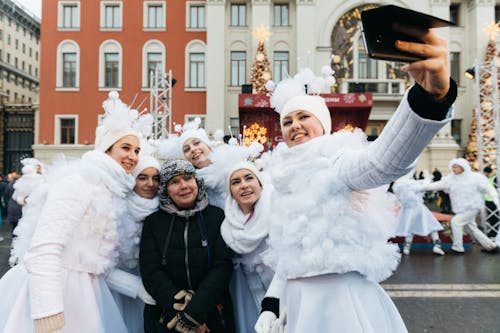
[88, 100]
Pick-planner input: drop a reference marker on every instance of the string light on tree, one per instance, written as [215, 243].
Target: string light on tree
[261, 72]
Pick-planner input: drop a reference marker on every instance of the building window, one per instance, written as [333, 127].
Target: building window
[238, 68]
[8, 39]
[455, 13]
[196, 16]
[455, 66]
[24, 48]
[69, 15]
[69, 70]
[110, 65]
[154, 62]
[280, 65]
[367, 67]
[235, 126]
[153, 55]
[281, 15]
[16, 44]
[154, 15]
[238, 15]
[111, 15]
[196, 70]
[112, 68]
[497, 13]
[456, 130]
[66, 129]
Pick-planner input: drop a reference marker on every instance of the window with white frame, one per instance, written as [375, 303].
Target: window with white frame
[238, 15]
[110, 65]
[112, 69]
[153, 55]
[281, 61]
[367, 67]
[196, 15]
[154, 15]
[68, 65]
[195, 66]
[455, 66]
[280, 15]
[197, 70]
[111, 15]
[66, 129]
[69, 69]
[68, 15]
[238, 68]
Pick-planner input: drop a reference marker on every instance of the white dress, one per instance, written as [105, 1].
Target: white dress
[414, 217]
[130, 229]
[246, 236]
[328, 235]
[73, 248]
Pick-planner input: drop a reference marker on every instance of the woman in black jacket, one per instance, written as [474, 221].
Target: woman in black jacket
[185, 264]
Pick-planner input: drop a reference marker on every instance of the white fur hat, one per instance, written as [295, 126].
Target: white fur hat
[198, 133]
[117, 123]
[313, 104]
[243, 165]
[461, 162]
[146, 161]
[105, 138]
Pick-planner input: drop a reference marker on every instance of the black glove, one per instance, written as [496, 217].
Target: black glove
[184, 323]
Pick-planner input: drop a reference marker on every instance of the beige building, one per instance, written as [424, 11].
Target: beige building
[19, 54]
[308, 33]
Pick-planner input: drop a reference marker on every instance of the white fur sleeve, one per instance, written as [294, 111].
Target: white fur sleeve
[393, 153]
[123, 282]
[65, 206]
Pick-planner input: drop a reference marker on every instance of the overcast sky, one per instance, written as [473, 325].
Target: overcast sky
[34, 6]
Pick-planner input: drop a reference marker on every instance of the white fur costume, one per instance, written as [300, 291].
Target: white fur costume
[466, 192]
[326, 238]
[81, 210]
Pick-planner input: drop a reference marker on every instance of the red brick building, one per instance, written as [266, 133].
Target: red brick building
[89, 48]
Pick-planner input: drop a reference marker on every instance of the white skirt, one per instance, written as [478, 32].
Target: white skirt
[417, 220]
[88, 304]
[340, 303]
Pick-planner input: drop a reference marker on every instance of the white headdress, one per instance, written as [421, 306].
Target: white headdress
[117, 123]
[291, 95]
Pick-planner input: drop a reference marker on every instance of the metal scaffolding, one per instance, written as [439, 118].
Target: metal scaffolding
[161, 102]
[487, 129]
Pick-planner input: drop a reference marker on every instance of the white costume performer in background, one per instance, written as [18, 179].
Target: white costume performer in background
[61, 285]
[414, 217]
[139, 203]
[328, 245]
[466, 189]
[245, 232]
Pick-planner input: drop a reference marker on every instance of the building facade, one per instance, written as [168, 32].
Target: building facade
[91, 47]
[19, 83]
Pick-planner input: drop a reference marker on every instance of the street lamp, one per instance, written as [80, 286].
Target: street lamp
[470, 73]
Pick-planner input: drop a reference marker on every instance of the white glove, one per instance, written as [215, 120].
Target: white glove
[265, 322]
[145, 296]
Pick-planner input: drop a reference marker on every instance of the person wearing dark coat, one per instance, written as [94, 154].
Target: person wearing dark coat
[185, 264]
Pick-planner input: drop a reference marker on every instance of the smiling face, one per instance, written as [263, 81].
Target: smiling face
[126, 152]
[147, 182]
[245, 189]
[183, 190]
[299, 127]
[196, 152]
[457, 169]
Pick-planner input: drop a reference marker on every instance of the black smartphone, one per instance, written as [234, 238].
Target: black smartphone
[379, 37]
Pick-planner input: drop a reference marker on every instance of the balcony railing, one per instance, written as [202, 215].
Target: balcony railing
[378, 87]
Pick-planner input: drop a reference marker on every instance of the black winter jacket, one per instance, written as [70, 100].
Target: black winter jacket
[189, 263]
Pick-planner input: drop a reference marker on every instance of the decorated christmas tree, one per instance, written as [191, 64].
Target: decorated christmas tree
[261, 73]
[486, 112]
